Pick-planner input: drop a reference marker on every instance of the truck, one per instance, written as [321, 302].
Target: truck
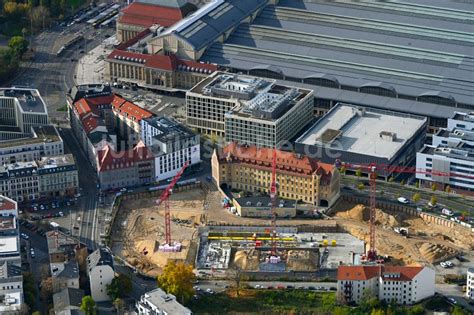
[447, 212]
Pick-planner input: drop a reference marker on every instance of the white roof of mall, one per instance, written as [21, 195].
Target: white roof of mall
[361, 133]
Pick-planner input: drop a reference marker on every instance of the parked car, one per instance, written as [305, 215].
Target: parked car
[32, 252]
[209, 290]
[24, 236]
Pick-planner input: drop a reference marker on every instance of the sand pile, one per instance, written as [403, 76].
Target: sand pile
[361, 213]
[247, 259]
[434, 252]
[299, 260]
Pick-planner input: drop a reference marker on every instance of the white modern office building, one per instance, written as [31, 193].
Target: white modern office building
[248, 109]
[172, 145]
[450, 158]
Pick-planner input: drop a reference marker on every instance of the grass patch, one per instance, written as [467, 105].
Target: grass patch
[272, 301]
[62, 109]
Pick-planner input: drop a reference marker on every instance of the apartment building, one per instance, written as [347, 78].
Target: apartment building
[65, 254]
[20, 109]
[100, 269]
[127, 118]
[41, 142]
[11, 279]
[159, 302]
[450, 158]
[117, 169]
[401, 284]
[249, 168]
[58, 176]
[47, 177]
[8, 207]
[470, 284]
[172, 145]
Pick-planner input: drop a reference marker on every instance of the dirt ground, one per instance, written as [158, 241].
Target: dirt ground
[296, 260]
[427, 243]
[139, 230]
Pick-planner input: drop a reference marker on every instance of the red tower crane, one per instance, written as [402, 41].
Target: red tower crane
[165, 197]
[372, 170]
[273, 194]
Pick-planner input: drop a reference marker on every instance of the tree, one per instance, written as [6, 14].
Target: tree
[391, 179]
[358, 172]
[119, 287]
[377, 311]
[341, 310]
[8, 63]
[328, 302]
[457, 310]
[416, 310]
[402, 182]
[36, 313]
[235, 274]
[416, 197]
[417, 184]
[343, 170]
[433, 187]
[361, 186]
[447, 189]
[39, 17]
[19, 45]
[433, 200]
[177, 279]
[46, 292]
[88, 305]
[118, 303]
[368, 302]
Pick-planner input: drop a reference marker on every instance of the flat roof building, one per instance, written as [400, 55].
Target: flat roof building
[355, 134]
[450, 159]
[248, 110]
[158, 302]
[21, 109]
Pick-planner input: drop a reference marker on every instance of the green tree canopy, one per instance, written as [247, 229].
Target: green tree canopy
[88, 305]
[119, 287]
[416, 197]
[433, 200]
[177, 279]
[18, 44]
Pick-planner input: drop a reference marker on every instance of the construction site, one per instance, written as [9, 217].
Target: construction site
[193, 225]
[423, 242]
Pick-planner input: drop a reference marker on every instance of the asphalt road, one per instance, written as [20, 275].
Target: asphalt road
[89, 199]
[53, 76]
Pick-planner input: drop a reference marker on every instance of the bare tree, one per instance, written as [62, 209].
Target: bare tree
[39, 17]
[235, 273]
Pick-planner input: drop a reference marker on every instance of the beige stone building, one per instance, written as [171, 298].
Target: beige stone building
[299, 177]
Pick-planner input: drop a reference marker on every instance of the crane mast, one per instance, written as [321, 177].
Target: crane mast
[165, 198]
[273, 193]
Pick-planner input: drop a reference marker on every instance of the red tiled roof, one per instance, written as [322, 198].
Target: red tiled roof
[357, 272]
[123, 106]
[134, 111]
[286, 161]
[168, 63]
[82, 107]
[90, 123]
[7, 203]
[406, 273]
[111, 160]
[146, 15]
